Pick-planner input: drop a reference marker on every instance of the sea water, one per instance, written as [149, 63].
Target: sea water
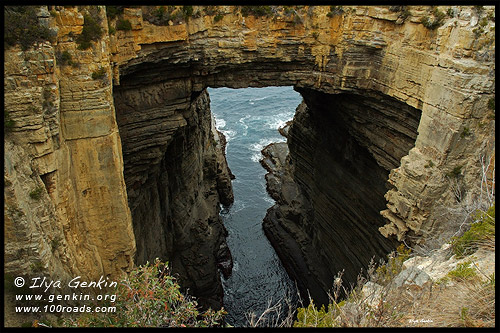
[250, 118]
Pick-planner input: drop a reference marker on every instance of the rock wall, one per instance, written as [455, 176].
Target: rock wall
[176, 177]
[446, 73]
[406, 91]
[65, 192]
[96, 172]
[342, 148]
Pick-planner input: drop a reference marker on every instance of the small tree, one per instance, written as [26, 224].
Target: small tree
[151, 297]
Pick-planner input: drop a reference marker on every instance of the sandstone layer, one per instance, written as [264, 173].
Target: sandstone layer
[127, 166]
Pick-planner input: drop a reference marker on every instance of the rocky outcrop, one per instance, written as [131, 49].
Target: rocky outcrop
[63, 163]
[359, 50]
[176, 175]
[342, 148]
[126, 156]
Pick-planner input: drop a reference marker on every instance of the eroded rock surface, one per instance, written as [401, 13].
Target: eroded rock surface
[106, 147]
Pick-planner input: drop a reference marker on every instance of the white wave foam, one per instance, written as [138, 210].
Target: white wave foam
[245, 126]
[279, 120]
[229, 134]
[242, 119]
[258, 146]
[269, 199]
[220, 123]
[258, 99]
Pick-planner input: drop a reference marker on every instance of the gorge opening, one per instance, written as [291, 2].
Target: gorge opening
[250, 118]
[343, 144]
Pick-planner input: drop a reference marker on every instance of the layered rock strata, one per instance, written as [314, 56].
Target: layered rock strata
[65, 192]
[342, 148]
[89, 167]
[177, 176]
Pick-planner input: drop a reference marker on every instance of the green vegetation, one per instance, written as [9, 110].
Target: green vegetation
[124, 25]
[65, 59]
[456, 172]
[436, 22]
[187, 11]
[314, 317]
[162, 15]
[480, 231]
[99, 74]
[22, 27]
[211, 10]
[36, 194]
[150, 297]
[92, 31]
[335, 315]
[394, 265]
[288, 10]
[463, 271]
[491, 103]
[37, 266]
[114, 11]
[405, 13]
[218, 17]
[55, 243]
[335, 10]
[491, 107]
[8, 122]
[257, 11]
[465, 132]
[429, 164]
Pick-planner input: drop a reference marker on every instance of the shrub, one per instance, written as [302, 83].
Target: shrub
[151, 297]
[99, 74]
[114, 11]
[123, 25]
[37, 266]
[36, 194]
[210, 10]
[479, 231]
[465, 132]
[335, 10]
[55, 243]
[257, 11]
[65, 58]
[463, 271]
[162, 15]
[187, 11]
[288, 10]
[91, 31]
[386, 272]
[314, 317]
[456, 172]
[8, 122]
[22, 27]
[218, 17]
[436, 22]
[491, 103]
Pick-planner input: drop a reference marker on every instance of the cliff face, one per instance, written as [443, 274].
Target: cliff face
[131, 154]
[176, 176]
[65, 191]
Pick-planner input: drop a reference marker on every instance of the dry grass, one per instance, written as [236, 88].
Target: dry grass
[469, 303]
[462, 302]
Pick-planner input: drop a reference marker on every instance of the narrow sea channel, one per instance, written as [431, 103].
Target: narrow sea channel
[250, 118]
